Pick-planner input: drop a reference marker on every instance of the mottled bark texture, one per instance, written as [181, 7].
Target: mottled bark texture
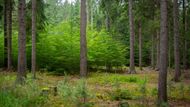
[162, 82]
[132, 38]
[34, 38]
[21, 42]
[9, 35]
[176, 40]
[158, 52]
[83, 43]
[140, 45]
[5, 34]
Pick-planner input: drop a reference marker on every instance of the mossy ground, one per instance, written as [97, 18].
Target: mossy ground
[110, 89]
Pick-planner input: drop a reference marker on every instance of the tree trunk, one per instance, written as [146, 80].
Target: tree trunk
[83, 44]
[184, 41]
[158, 52]
[21, 42]
[34, 38]
[5, 34]
[162, 82]
[176, 40]
[92, 14]
[9, 35]
[132, 37]
[140, 45]
[152, 53]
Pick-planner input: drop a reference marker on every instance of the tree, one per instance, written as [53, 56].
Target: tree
[184, 36]
[132, 37]
[34, 38]
[21, 42]
[162, 82]
[83, 44]
[5, 34]
[9, 34]
[152, 51]
[140, 45]
[158, 52]
[176, 40]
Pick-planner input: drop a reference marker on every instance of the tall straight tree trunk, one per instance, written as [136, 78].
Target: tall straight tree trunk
[152, 53]
[83, 43]
[184, 41]
[132, 37]
[162, 81]
[158, 52]
[140, 45]
[90, 4]
[92, 14]
[9, 35]
[176, 40]
[5, 34]
[34, 38]
[21, 42]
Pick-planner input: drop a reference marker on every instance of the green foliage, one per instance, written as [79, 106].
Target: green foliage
[114, 78]
[27, 95]
[59, 49]
[118, 93]
[182, 90]
[143, 91]
[154, 92]
[77, 95]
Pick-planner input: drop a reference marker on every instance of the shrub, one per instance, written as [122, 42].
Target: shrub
[74, 95]
[27, 95]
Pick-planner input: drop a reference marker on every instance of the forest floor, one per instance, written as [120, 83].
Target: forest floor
[109, 89]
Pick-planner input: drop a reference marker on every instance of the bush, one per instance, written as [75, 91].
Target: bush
[58, 49]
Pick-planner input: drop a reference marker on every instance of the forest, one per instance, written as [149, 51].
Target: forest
[94, 53]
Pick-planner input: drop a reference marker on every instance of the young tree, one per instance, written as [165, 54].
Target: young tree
[34, 38]
[21, 42]
[83, 44]
[140, 45]
[176, 40]
[9, 34]
[132, 37]
[162, 82]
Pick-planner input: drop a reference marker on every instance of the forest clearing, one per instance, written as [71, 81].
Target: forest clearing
[94, 53]
[100, 90]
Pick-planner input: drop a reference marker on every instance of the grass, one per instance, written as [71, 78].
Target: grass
[98, 90]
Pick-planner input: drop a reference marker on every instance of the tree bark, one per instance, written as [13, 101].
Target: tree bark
[176, 40]
[140, 45]
[158, 52]
[184, 41]
[34, 38]
[5, 35]
[9, 35]
[92, 15]
[132, 37]
[83, 43]
[152, 53]
[162, 82]
[21, 42]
